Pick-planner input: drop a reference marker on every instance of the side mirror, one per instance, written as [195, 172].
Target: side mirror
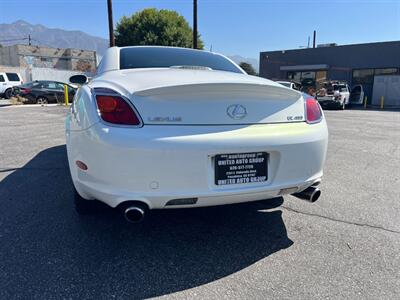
[79, 79]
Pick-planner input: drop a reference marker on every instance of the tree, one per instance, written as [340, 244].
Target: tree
[155, 27]
[248, 68]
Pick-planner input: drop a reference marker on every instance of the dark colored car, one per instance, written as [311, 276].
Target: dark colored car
[42, 92]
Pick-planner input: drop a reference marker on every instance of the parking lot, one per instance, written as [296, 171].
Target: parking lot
[346, 245]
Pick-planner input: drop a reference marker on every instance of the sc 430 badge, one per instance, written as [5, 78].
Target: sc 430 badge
[294, 118]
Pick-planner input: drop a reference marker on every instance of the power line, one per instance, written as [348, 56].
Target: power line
[29, 39]
[12, 40]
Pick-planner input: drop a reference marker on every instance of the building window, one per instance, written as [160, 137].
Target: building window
[386, 71]
[309, 79]
[296, 76]
[365, 76]
[320, 78]
[308, 75]
[299, 76]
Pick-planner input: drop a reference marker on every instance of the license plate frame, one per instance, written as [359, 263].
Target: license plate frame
[240, 168]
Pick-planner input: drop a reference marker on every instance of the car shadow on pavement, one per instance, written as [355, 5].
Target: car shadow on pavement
[48, 251]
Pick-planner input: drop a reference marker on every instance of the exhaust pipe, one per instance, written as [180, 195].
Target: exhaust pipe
[134, 213]
[310, 194]
[316, 183]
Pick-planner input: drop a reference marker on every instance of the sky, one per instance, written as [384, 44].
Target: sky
[232, 27]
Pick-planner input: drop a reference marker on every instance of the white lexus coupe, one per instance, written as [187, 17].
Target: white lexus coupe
[163, 127]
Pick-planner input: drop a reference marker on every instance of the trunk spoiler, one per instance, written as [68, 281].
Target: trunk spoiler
[250, 89]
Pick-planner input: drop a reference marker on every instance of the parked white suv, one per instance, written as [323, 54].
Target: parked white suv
[7, 81]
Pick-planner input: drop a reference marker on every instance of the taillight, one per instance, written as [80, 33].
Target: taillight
[313, 111]
[25, 91]
[114, 109]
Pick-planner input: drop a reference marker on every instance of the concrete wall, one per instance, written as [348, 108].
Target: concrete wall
[53, 74]
[84, 61]
[30, 74]
[8, 56]
[46, 57]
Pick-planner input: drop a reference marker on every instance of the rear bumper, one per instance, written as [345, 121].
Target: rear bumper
[156, 164]
[329, 103]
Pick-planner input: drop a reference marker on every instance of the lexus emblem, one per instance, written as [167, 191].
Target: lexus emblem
[236, 111]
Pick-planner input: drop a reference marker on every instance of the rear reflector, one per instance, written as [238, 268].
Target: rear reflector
[81, 165]
[183, 201]
[313, 111]
[115, 110]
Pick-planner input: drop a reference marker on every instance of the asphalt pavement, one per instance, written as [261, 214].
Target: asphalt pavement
[344, 246]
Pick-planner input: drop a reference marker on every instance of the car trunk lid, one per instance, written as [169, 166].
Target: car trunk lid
[204, 97]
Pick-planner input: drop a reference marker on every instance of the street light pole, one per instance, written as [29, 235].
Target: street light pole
[194, 24]
[110, 23]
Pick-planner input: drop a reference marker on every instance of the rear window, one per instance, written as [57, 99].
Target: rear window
[52, 85]
[340, 88]
[153, 57]
[28, 84]
[12, 77]
[287, 84]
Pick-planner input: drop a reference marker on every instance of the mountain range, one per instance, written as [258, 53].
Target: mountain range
[19, 31]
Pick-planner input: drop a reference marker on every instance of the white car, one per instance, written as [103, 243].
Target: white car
[290, 84]
[7, 81]
[161, 127]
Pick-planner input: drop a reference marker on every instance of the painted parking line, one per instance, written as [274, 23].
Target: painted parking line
[33, 105]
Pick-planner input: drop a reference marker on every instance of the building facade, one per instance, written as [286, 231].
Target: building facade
[355, 64]
[26, 56]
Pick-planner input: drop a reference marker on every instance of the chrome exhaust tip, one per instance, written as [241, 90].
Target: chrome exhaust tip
[134, 214]
[310, 194]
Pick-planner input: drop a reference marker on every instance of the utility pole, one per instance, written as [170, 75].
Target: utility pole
[29, 40]
[194, 24]
[314, 39]
[110, 23]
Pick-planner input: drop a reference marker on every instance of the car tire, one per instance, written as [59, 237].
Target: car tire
[8, 94]
[41, 100]
[82, 206]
